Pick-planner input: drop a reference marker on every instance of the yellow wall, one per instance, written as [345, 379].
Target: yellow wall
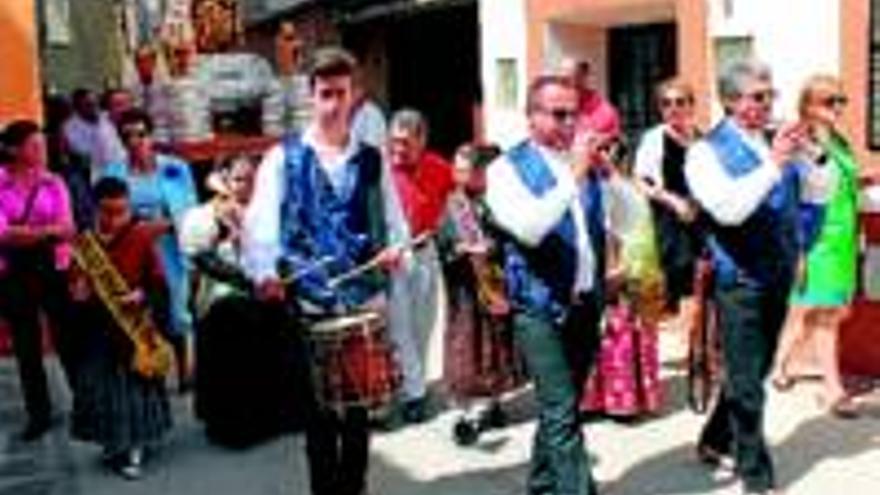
[19, 78]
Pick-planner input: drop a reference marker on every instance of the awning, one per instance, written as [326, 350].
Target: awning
[359, 11]
[266, 11]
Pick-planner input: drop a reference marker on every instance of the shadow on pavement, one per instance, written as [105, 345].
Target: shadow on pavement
[391, 479]
[676, 471]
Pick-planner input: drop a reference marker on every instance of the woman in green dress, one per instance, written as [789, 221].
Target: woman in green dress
[828, 268]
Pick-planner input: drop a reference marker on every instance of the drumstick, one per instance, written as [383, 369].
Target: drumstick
[293, 277]
[357, 271]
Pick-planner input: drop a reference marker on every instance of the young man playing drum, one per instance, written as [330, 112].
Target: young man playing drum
[318, 210]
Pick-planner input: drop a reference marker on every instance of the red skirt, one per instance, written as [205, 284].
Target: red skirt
[479, 359]
[626, 378]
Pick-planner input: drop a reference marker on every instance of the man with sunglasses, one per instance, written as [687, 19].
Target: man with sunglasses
[547, 199]
[750, 190]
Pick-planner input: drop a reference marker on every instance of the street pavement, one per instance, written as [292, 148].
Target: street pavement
[815, 454]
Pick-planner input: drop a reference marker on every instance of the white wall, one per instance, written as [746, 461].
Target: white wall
[796, 38]
[503, 35]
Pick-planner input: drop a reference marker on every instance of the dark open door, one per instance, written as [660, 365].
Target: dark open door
[434, 67]
[638, 58]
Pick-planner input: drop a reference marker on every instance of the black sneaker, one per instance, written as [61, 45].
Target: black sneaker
[415, 411]
[35, 430]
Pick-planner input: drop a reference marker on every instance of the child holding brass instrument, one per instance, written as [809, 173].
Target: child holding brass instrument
[117, 405]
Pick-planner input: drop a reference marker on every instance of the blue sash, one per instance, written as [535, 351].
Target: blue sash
[763, 249]
[541, 279]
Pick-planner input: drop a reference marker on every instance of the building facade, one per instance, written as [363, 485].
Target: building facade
[632, 44]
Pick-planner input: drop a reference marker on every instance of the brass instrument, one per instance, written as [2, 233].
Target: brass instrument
[153, 355]
[491, 289]
[489, 276]
[704, 353]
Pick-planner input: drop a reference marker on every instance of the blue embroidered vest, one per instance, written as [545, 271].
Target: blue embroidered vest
[328, 231]
[762, 250]
[540, 279]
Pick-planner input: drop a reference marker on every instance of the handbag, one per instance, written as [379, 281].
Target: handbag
[35, 259]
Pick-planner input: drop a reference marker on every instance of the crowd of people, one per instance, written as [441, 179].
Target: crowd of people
[350, 245]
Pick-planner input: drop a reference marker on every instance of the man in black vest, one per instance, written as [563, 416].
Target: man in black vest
[546, 195]
[750, 191]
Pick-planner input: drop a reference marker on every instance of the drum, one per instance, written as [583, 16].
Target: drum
[352, 362]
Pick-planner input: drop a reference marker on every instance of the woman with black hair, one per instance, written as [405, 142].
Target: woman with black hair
[35, 226]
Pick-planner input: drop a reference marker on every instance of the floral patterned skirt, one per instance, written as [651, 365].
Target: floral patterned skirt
[626, 378]
[479, 359]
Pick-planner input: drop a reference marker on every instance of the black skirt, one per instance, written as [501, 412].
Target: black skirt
[680, 244]
[113, 406]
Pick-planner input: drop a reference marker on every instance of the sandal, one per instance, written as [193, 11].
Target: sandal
[844, 408]
[782, 383]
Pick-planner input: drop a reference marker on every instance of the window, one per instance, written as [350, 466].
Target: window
[506, 83]
[730, 48]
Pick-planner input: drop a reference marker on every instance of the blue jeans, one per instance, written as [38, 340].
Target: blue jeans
[559, 358]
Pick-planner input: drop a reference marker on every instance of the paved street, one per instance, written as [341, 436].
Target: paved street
[815, 455]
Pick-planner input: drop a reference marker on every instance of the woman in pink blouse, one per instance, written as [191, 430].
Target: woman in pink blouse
[36, 226]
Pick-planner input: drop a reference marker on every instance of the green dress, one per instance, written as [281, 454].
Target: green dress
[831, 262]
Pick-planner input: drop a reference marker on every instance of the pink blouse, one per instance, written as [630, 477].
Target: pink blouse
[51, 206]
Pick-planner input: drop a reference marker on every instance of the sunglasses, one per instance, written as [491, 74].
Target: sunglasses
[761, 97]
[833, 101]
[561, 115]
[676, 102]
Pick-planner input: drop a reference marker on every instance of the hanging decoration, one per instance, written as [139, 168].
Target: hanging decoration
[218, 25]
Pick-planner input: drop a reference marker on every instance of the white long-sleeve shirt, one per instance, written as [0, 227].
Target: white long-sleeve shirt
[530, 218]
[99, 141]
[732, 200]
[649, 156]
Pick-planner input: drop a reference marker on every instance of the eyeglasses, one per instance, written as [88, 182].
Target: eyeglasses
[561, 115]
[677, 102]
[761, 97]
[833, 101]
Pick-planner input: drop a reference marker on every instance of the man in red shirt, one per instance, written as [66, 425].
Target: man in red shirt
[423, 178]
[423, 181]
[596, 115]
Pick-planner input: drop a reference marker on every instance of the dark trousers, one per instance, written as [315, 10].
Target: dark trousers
[559, 357]
[750, 321]
[337, 443]
[338, 447]
[21, 300]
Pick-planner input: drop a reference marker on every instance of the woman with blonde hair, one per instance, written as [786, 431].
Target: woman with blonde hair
[828, 268]
[659, 168]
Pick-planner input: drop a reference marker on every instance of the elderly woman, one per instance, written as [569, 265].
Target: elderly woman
[162, 190]
[659, 168]
[828, 275]
[35, 223]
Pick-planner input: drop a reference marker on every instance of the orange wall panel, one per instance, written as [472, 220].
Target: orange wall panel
[19, 77]
[855, 24]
